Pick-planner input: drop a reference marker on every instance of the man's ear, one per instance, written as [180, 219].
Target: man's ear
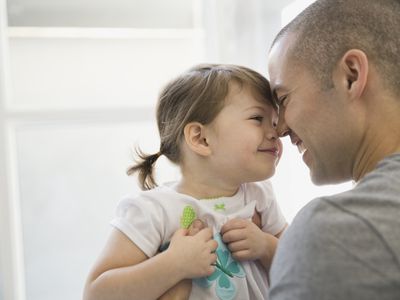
[195, 138]
[353, 69]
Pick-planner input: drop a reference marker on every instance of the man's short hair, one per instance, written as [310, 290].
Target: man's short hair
[327, 29]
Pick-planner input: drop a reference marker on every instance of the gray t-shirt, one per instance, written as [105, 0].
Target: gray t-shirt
[345, 246]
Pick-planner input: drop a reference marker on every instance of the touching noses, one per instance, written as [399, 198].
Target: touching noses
[271, 133]
[282, 128]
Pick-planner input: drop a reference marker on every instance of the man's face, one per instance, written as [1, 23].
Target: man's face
[316, 120]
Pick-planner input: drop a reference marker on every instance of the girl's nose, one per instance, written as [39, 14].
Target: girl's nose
[271, 133]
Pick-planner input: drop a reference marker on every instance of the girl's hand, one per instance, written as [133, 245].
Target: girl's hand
[194, 255]
[247, 241]
[182, 290]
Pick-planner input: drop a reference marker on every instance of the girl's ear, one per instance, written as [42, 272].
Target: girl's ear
[195, 138]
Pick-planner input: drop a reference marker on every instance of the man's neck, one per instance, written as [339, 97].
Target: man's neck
[382, 139]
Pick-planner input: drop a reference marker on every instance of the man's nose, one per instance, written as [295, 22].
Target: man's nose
[282, 129]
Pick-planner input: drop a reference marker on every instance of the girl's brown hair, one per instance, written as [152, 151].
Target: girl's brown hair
[195, 96]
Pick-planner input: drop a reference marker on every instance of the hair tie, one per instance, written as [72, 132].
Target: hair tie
[154, 157]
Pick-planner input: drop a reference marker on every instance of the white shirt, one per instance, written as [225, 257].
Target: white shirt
[151, 218]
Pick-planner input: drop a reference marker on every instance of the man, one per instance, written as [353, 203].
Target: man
[335, 72]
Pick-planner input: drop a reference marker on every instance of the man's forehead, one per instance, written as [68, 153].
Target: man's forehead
[284, 44]
[281, 66]
[279, 73]
[279, 53]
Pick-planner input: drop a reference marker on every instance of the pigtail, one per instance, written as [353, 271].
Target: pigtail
[145, 169]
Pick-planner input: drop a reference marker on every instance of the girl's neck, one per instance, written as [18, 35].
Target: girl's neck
[205, 190]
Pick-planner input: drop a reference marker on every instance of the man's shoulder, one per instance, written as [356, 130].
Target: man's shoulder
[306, 220]
[323, 218]
[317, 211]
[330, 245]
[383, 180]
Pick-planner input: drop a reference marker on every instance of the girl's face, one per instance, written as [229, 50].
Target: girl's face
[243, 138]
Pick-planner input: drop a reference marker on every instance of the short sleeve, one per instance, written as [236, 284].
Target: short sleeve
[140, 219]
[329, 246]
[272, 219]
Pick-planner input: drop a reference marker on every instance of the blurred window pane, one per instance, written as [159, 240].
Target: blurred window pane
[101, 13]
[71, 178]
[57, 73]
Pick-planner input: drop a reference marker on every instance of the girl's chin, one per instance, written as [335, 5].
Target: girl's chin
[267, 175]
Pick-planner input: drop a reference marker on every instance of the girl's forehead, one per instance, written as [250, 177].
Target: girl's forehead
[265, 99]
[245, 93]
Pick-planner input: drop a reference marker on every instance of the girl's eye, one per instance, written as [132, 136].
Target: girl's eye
[258, 118]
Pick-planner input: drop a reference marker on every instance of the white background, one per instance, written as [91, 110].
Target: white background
[78, 85]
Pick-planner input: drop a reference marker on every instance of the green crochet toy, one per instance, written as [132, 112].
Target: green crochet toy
[188, 216]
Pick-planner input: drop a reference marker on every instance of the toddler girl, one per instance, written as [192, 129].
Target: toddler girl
[217, 123]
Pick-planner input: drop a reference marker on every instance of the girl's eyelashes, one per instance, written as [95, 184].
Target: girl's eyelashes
[257, 118]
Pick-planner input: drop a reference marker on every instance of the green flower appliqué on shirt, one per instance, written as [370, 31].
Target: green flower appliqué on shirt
[227, 268]
[219, 207]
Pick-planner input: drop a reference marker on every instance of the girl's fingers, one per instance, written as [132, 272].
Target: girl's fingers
[213, 245]
[237, 246]
[241, 255]
[233, 224]
[234, 235]
[206, 234]
[196, 226]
